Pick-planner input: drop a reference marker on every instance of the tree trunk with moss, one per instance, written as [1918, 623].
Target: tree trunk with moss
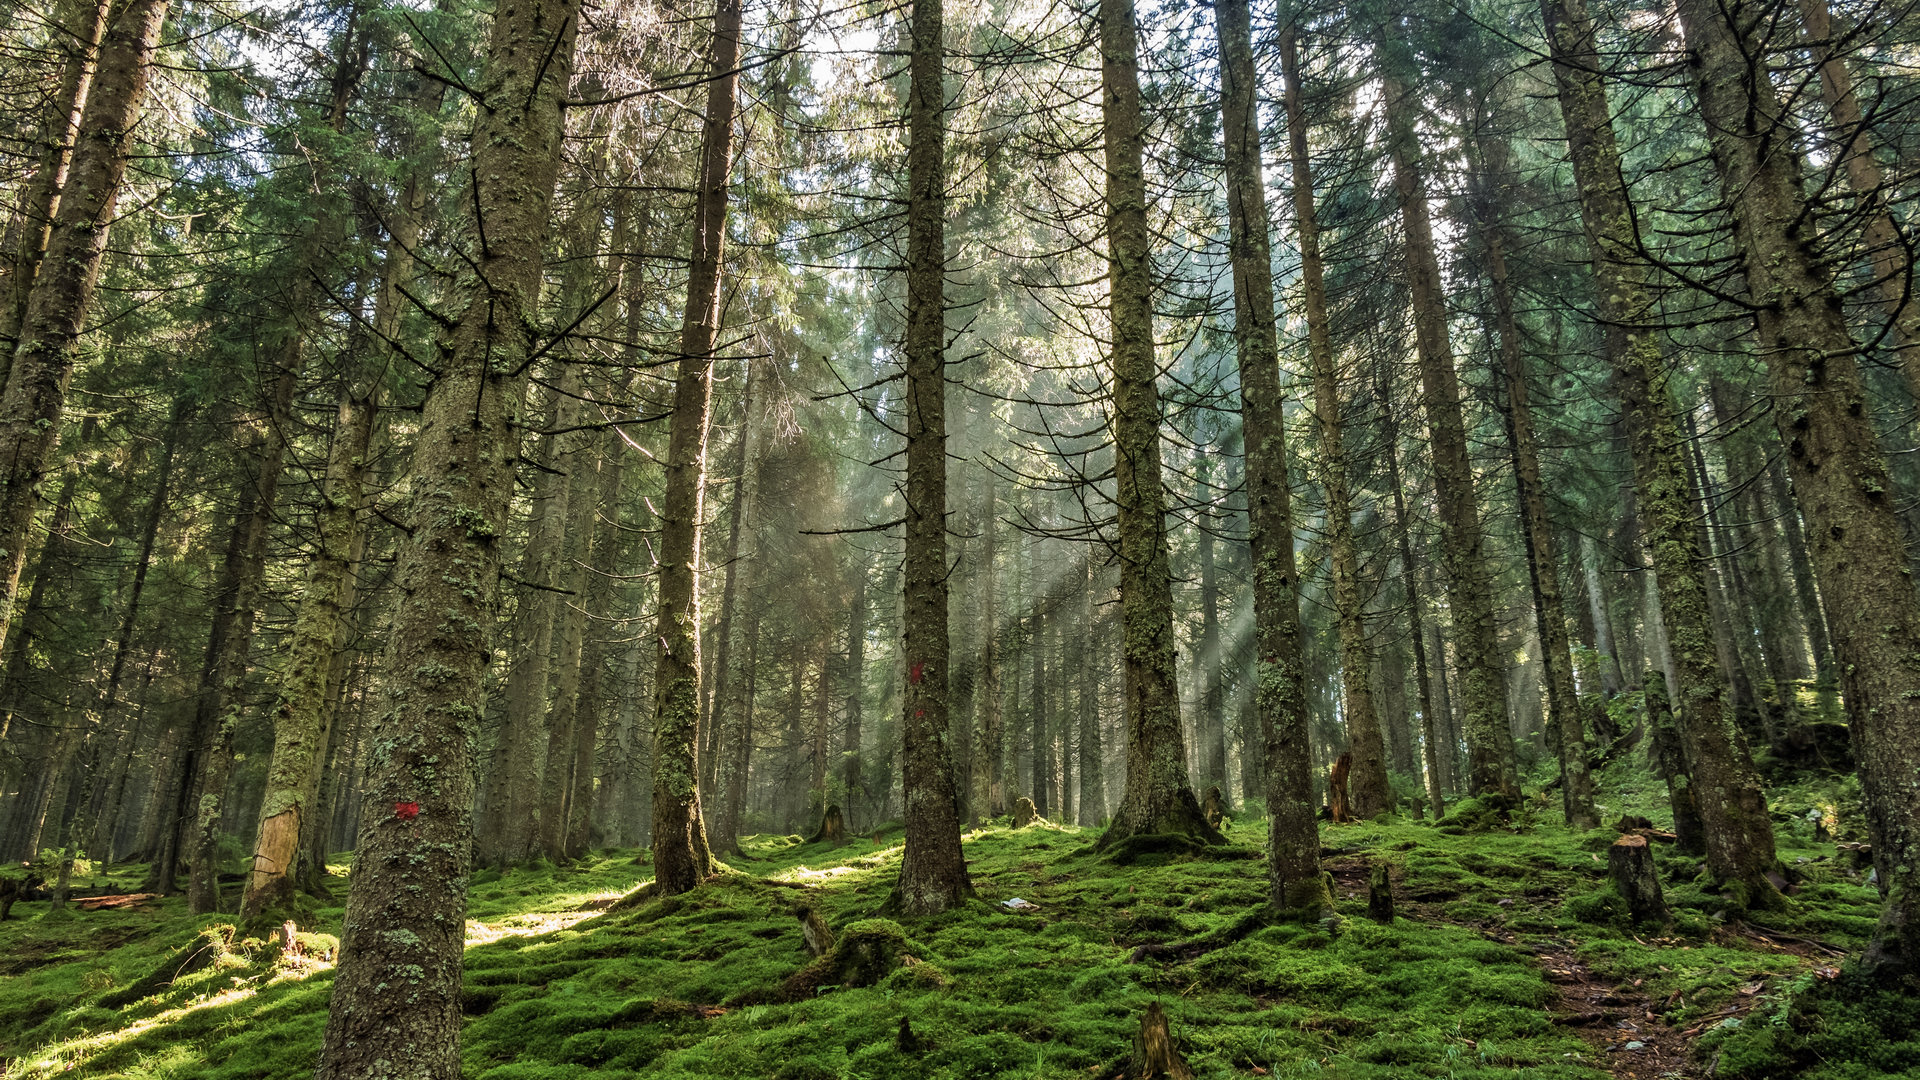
[933, 870]
[1839, 471]
[308, 681]
[510, 833]
[1211, 728]
[1370, 792]
[1437, 758]
[681, 859]
[1543, 556]
[992, 732]
[1881, 238]
[76, 33]
[581, 461]
[1737, 831]
[34, 400]
[1295, 885]
[1091, 801]
[1158, 798]
[1470, 587]
[734, 710]
[404, 931]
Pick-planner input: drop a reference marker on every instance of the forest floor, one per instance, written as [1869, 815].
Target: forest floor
[1510, 957]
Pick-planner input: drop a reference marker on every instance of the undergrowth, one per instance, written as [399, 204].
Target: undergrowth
[715, 983]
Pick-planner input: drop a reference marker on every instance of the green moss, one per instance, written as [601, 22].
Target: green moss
[691, 986]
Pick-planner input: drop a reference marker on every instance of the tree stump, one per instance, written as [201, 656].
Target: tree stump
[1380, 894]
[906, 1041]
[1630, 863]
[1214, 808]
[814, 933]
[1337, 789]
[833, 827]
[1154, 1057]
[289, 939]
[1023, 812]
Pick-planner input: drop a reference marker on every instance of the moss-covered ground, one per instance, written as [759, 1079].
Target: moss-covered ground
[1504, 937]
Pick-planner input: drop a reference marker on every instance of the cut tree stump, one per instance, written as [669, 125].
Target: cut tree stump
[1024, 813]
[1630, 864]
[1380, 894]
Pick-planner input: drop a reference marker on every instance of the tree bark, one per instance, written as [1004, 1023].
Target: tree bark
[681, 858]
[1839, 471]
[34, 400]
[404, 928]
[734, 710]
[510, 833]
[1295, 885]
[1371, 793]
[1091, 803]
[1543, 558]
[1470, 589]
[77, 34]
[933, 870]
[1158, 798]
[1437, 758]
[991, 726]
[1738, 832]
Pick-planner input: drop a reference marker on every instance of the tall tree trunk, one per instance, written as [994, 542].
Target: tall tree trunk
[1612, 672]
[405, 919]
[1787, 511]
[1738, 832]
[49, 339]
[1037, 713]
[1368, 789]
[933, 871]
[1543, 558]
[1091, 803]
[1211, 728]
[680, 856]
[718, 696]
[992, 735]
[1435, 754]
[1470, 583]
[77, 33]
[734, 710]
[1295, 884]
[510, 831]
[582, 460]
[850, 770]
[1887, 250]
[1839, 471]
[1158, 799]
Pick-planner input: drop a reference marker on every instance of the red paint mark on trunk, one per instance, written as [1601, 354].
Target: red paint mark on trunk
[916, 673]
[406, 811]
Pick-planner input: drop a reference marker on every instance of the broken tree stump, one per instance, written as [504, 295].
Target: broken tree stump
[833, 827]
[1380, 894]
[1024, 813]
[1214, 807]
[1630, 864]
[814, 932]
[1154, 1057]
[1337, 789]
